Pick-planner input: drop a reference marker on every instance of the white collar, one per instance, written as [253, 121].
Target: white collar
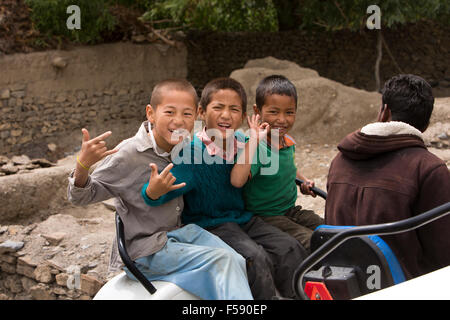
[155, 146]
[390, 128]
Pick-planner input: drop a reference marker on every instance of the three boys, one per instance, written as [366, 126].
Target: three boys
[162, 247]
[212, 202]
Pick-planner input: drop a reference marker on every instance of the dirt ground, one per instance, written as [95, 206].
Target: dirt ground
[86, 233]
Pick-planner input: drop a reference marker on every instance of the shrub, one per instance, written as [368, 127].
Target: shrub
[50, 17]
[214, 15]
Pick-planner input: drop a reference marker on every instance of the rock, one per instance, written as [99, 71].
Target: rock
[61, 279]
[4, 297]
[90, 285]
[43, 163]
[3, 160]
[56, 265]
[41, 292]
[5, 94]
[21, 160]
[27, 283]
[16, 133]
[52, 147]
[443, 136]
[18, 94]
[13, 284]
[8, 258]
[8, 268]
[27, 230]
[139, 38]
[59, 291]
[59, 62]
[11, 246]
[3, 229]
[43, 274]
[54, 238]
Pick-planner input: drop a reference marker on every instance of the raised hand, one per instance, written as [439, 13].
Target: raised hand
[257, 131]
[93, 150]
[162, 183]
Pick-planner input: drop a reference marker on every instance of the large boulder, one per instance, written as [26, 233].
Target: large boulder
[327, 110]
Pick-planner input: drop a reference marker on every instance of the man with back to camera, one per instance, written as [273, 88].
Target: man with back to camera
[384, 173]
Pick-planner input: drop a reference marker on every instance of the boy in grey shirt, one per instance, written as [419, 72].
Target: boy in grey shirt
[162, 248]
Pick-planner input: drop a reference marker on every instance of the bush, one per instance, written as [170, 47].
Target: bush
[50, 17]
[214, 15]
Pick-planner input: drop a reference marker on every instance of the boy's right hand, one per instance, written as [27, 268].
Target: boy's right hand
[162, 183]
[93, 150]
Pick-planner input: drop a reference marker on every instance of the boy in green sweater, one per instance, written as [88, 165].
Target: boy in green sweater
[272, 194]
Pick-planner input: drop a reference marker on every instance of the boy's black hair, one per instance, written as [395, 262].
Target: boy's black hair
[410, 99]
[222, 84]
[274, 84]
[172, 84]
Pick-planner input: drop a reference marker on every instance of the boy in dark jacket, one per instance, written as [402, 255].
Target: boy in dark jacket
[384, 173]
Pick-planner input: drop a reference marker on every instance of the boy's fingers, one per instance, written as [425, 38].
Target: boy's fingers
[172, 180]
[85, 134]
[166, 170]
[107, 153]
[177, 186]
[153, 169]
[101, 137]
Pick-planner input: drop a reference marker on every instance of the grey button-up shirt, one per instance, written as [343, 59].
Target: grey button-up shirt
[122, 175]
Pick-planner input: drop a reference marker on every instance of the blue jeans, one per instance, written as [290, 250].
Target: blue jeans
[199, 262]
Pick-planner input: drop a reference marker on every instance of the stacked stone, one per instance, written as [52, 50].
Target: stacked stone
[26, 119]
[21, 164]
[24, 277]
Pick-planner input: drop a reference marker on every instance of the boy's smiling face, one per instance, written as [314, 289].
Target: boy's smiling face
[224, 112]
[279, 112]
[176, 111]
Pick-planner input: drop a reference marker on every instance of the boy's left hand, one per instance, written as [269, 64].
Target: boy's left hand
[306, 186]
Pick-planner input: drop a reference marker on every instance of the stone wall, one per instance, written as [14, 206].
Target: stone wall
[47, 97]
[343, 56]
[24, 278]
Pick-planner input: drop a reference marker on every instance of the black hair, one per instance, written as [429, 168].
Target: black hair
[410, 99]
[222, 84]
[274, 84]
[172, 84]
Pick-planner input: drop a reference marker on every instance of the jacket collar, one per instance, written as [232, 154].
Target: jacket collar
[390, 128]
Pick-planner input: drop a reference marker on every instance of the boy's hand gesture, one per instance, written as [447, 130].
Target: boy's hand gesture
[162, 183]
[93, 150]
[257, 131]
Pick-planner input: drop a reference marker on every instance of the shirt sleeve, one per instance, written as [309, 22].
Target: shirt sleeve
[104, 183]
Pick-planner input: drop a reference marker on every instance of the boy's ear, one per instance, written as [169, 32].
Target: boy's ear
[200, 113]
[149, 112]
[255, 109]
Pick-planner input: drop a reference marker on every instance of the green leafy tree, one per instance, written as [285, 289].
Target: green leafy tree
[213, 15]
[352, 15]
[50, 17]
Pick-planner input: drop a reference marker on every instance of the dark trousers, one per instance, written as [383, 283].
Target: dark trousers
[272, 256]
[298, 222]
